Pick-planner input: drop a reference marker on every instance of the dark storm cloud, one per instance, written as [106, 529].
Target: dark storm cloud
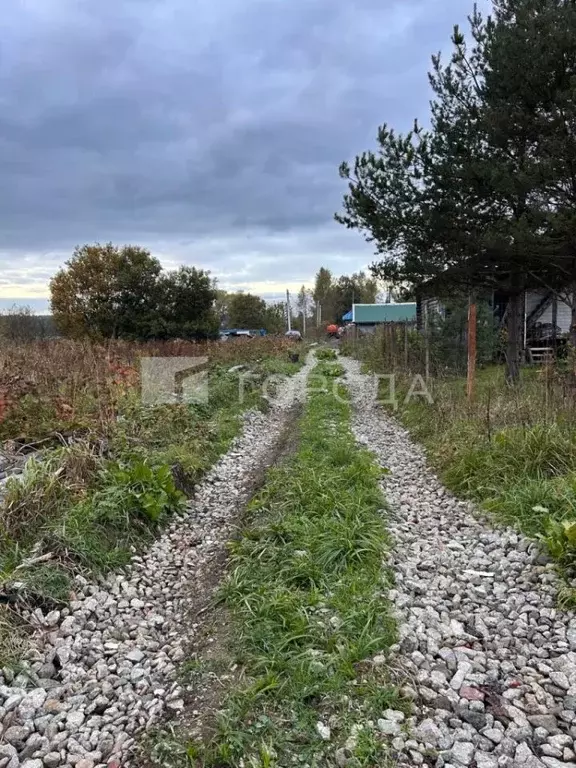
[211, 131]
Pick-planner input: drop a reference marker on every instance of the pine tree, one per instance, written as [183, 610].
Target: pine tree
[486, 197]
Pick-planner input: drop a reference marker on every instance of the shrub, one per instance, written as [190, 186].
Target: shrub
[136, 490]
[329, 370]
[559, 537]
[326, 354]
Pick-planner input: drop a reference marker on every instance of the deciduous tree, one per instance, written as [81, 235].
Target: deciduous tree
[106, 291]
[247, 311]
[323, 293]
[354, 289]
[221, 307]
[275, 318]
[186, 305]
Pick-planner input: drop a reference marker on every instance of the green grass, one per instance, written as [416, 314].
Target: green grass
[325, 353]
[192, 437]
[307, 596]
[329, 370]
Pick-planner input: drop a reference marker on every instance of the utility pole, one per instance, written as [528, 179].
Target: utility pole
[288, 310]
[318, 314]
[304, 308]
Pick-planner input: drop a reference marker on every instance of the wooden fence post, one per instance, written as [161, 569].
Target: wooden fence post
[426, 345]
[392, 334]
[472, 323]
[406, 346]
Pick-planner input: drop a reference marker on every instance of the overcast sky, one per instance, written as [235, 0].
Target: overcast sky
[210, 131]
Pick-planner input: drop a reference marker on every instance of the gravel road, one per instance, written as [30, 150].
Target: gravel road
[104, 670]
[488, 659]
[490, 662]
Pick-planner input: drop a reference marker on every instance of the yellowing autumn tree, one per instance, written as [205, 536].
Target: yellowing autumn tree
[106, 291]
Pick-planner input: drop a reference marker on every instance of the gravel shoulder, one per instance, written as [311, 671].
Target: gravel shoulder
[489, 660]
[105, 669]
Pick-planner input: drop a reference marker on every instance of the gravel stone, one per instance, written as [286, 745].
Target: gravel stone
[493, 734]
[485, 760]
[394, 714]
[9, 756]
[462, 753]
[16, 735]
[389, 727]
[490, 659]
[428, 732]
[52, 760]
[548, 722]
[136, 656]
[552, 762]
[525, 757]
[342, 757]
[560, 741]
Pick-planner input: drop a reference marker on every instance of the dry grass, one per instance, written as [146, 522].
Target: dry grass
[46, 487]
[13, 638]
[63, 385]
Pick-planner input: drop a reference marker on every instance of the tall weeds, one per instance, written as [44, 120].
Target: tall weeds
[71, 386]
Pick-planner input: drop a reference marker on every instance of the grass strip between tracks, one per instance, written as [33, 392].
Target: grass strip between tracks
[307, 594]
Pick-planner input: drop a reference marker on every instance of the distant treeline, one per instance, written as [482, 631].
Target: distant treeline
[19, 323]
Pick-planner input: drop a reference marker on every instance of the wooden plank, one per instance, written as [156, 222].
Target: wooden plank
[540, 355]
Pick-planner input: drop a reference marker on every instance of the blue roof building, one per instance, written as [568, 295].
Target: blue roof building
[375, 314]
